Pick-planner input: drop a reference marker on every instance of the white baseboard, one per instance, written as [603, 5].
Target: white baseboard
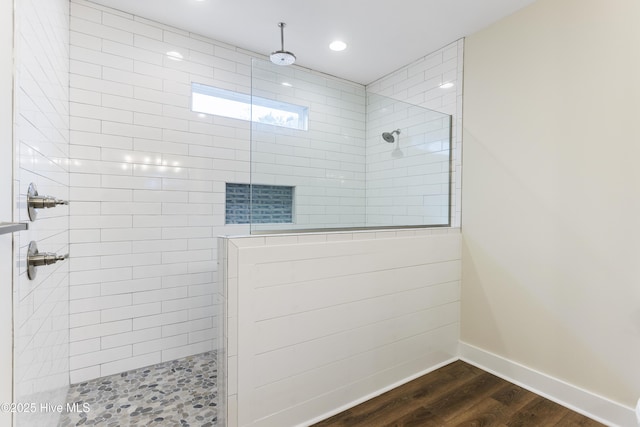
[582, 401]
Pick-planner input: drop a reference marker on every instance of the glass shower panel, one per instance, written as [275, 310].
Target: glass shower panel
[339, 172]
[324, 164]
[407, 179]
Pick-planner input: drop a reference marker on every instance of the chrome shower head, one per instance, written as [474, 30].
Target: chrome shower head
[388, 136]
[282, 57]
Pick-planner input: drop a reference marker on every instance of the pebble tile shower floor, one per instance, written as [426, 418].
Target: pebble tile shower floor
[180, 392]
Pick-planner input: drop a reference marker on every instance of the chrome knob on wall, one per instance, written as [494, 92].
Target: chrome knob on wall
[35, 201]
[37, 259]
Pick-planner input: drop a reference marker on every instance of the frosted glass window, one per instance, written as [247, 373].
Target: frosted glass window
[222, 102]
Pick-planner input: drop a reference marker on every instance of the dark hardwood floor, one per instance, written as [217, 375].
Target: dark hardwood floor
[458, 394]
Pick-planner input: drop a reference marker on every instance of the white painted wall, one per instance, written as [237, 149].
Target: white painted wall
[551, 202]
[319, 322]
[41, 137]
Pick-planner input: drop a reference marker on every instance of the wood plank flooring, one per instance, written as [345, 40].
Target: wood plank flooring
[458, 394]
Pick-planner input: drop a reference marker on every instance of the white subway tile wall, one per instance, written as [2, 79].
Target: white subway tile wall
[326, 163]
[341, 181]
[41, 140]
[407, 179]
[319, 321]
[148, 177]
[148, 180]
[420, 84]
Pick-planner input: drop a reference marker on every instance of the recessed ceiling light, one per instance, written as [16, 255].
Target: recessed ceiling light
[446, 85]
[176, 56]
[287, 84]
[338, 46]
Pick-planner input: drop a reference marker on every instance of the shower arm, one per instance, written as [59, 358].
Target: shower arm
[281, 25]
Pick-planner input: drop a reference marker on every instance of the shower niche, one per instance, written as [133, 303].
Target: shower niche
[363, 160]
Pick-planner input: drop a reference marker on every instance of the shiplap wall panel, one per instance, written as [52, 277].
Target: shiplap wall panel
[317, 322]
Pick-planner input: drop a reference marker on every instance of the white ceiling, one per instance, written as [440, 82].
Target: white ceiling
[382, 35]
